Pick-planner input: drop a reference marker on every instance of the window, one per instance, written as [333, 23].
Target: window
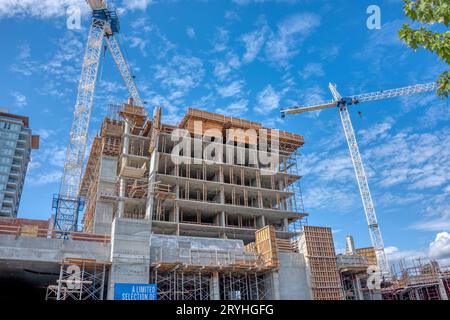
[10, 143]
[6, 152]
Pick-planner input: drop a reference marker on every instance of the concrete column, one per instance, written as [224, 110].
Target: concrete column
[121, 202]
[177, 208]
[275, 285]
[215, 287]
[359, 295]
[222, 219]
[125, 146]
[130, 253]
[442, 291]
[222, 195]
[285, 224]
[416, 294]
[260, 222]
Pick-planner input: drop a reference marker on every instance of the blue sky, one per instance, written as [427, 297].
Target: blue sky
[249, 58]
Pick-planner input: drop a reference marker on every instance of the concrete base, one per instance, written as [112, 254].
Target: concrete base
[50, 250]
[130, 253]
[292, 278]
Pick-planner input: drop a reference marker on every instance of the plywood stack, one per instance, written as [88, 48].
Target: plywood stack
[266, 246]
[284, 245]
[317, 245]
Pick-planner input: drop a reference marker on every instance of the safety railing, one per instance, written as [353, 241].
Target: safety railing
[30, 231]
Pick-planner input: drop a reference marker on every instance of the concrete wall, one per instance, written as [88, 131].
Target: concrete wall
[103, 217]
[169, 248]
[292, 277]
[130, 253]
[50, 250]
[104, 210]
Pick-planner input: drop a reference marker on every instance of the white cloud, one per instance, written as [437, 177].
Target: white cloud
[247, 2]
[190, 32]
[320, 197]
[284, 44]
[310, 96]
[40, 9]
[267, 100]
[20, 99]
[235, 109]
[438, 224]
[440, 247]
[180, 73]
[231, 15]
[137, 42]
[230, 90]
[395, 255]
[376, 132]
[312, 70]
[220, 42]
[223, 68]
[44, 178]
[137, 4]
[44, 133]
[253, 41]
[24, 51]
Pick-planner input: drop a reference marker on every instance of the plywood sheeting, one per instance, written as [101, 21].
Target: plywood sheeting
[317, 245]
[266, 246]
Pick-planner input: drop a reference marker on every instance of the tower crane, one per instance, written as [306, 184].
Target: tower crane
[104, 25]
[342, 103]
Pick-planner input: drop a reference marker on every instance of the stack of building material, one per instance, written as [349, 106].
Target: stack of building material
[369, 253]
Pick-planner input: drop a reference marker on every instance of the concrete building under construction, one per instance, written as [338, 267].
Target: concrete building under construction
[207, 209]
[209, 227]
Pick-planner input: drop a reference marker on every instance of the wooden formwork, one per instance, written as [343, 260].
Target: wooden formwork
[266, 246]
[318, 247]
[136, 116]
[247, 131]
[369, 253]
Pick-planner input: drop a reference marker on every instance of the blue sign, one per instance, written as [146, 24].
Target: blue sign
[134, 291]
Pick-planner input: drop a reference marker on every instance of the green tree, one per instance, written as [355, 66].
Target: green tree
[429, 12]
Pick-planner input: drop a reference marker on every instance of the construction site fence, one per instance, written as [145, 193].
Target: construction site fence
[26, 231]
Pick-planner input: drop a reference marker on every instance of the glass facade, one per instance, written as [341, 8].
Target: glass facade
[15, 148]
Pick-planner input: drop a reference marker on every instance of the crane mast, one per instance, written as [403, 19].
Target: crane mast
[67, 204]
[361, 177]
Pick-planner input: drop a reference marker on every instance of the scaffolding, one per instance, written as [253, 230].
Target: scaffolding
[176, 284]
[79, 279]
[245, 286]
[421, 281]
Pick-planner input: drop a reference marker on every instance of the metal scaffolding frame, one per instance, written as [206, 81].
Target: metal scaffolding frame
[176, 284]
[243, 286]
[79, 279]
